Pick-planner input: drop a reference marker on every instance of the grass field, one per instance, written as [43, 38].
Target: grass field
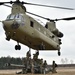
[60, 71]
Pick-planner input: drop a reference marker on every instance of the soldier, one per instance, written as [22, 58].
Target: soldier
[35, 60]
[28, 55]
[28, 60]
[44, 66]
[35, 57]
[32, 68]
[41, 66]
[54, 65]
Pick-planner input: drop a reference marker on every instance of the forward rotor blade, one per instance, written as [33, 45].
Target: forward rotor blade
[42, 17]
[36, 15]
[49, 6]
[52, 20]
[70, 18]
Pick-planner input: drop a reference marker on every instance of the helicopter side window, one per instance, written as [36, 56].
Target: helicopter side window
[31, 23]
[46, 26]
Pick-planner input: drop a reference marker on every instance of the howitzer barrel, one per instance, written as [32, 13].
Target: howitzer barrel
[14, 65]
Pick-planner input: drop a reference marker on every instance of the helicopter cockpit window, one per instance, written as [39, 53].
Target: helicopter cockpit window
[17, 16]
[9, 17]
[12, 16]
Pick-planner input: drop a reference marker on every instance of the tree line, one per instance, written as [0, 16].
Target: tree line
[20, 61]
[11, 60]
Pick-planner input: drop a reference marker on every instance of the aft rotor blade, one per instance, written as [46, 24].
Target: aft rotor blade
[48, 6]
[1, 3]
[10, 2]
[70, 18]
[7, 5]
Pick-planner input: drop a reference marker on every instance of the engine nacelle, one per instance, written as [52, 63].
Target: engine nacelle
[58, 33]
[52, 27]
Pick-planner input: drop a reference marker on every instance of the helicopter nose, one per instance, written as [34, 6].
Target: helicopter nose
[6, 24]
[10, 24]
[15, 25]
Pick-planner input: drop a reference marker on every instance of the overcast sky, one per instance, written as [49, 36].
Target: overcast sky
[67, 27]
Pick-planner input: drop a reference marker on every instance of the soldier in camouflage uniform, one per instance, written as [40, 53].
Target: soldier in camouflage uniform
[28, 61]
[54, 65]
[41, 65]
[44, 67]
[28, 54]
[35, 57]
[35, 62]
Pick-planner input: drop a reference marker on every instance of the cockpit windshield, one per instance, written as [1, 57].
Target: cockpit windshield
[17, 16]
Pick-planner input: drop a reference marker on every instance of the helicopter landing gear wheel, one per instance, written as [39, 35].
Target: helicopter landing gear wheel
[17, 47]
[59, 53]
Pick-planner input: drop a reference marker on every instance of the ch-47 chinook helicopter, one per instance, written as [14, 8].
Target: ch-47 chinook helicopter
[26, 30]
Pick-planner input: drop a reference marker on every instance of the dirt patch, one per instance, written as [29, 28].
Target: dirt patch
[60, 71]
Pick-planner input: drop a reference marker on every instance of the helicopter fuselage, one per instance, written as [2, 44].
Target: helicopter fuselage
[24, 29]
